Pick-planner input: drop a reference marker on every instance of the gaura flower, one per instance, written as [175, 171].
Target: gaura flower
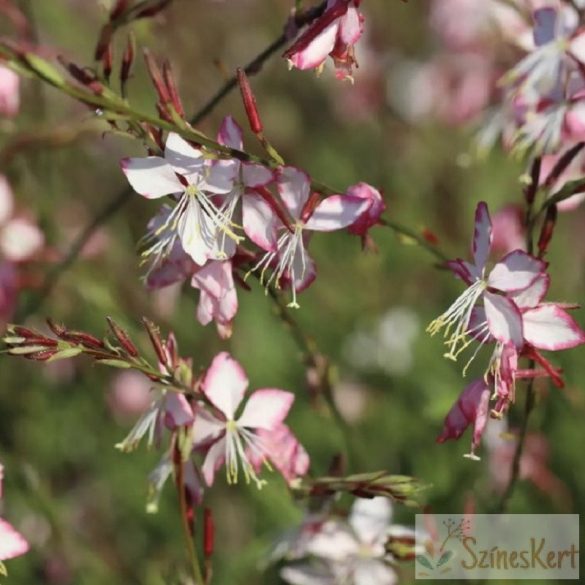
[203, 227]
[333, 34]
[231, 438]
[503, 320]
[349, 552]
[287, 252]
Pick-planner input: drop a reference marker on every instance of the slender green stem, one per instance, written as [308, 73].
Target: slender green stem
[191, 552]
[320, 364]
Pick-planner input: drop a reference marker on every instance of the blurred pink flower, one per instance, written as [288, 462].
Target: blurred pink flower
[9, 92]
[534, 463]
[129, 394]
[508, 229]
[575, 170]
[20, 238]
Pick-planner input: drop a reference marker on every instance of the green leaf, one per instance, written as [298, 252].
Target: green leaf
[445, 557]
[422, 560]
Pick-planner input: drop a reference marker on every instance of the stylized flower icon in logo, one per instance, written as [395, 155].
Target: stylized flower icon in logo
[438, 558]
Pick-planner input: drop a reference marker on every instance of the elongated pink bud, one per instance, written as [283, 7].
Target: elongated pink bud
[249, 102]
[471, 408]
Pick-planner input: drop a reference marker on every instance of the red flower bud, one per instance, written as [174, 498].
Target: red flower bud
[249, 102]
[123, 338]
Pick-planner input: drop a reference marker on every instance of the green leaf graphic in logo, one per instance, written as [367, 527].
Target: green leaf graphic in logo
[424, 562]
[445, 558]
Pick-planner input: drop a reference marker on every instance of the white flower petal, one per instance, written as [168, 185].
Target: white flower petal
[151, 176]
[225, 384]
[336, 212]
[504, 319]
[266, 409]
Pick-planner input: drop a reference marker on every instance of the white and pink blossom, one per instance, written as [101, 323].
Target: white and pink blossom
[233, 439]
[515, 273]
[286, 248]
[203, 226]
[334, 35]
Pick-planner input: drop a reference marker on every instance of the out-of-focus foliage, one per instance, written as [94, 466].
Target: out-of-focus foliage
[81, 502]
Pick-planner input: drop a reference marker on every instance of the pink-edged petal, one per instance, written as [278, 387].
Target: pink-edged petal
[551, 328]
[316, 51]
[206, 308]
[225, 383]
[472, 407]
[12, 543]
[151, 176]
[372, 214]
[266, 409]
[214, 459]
[336, 212]
[230, 133]
[504, 319]
[20, 239]
[482, 236]
[294, 187]
[533, 295]
[6, 199]
[260, 222]
[218, 292]
[206, 428]
[545, 25]
[370, 519]
[516, 271]
[284, 451]
[183, 158]
[350, 26]
[178, 412]
[254, 175]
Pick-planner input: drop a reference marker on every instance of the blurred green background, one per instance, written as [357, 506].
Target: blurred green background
[80, 501]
